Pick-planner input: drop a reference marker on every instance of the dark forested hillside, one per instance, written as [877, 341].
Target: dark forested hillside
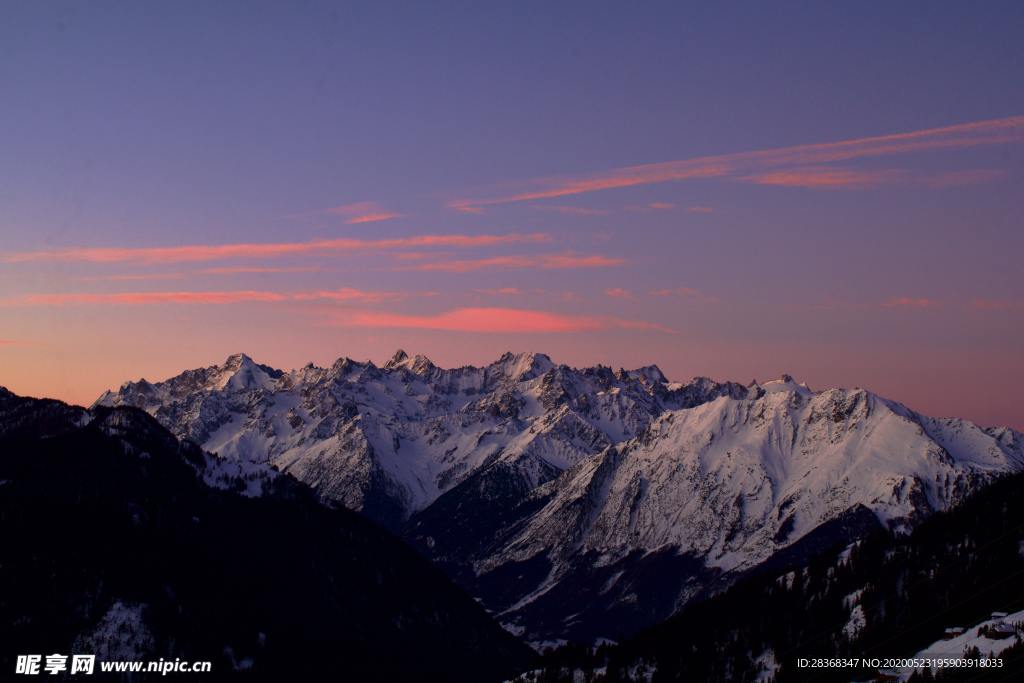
[112, 544]
[954, 569]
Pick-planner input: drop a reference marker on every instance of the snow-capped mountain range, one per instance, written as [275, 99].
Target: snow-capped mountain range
[574, 502]
[388, 441]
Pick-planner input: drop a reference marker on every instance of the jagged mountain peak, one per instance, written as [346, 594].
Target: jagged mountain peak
[414, 440]
[236, 360]
[344, 365]
[240, 373]
[525, 365]
[785, 383]
[399, 357]
[418, 364]
[141, 385]
[648, 373]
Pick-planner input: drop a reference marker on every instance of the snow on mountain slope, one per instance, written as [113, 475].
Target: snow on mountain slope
[388, 441]
[725, 484]
[589, 502]
[733, 480]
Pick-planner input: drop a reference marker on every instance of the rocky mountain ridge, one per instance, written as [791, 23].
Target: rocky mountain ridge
[584, 502]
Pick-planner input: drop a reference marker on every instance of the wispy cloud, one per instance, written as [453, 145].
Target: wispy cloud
[700, 209]
[227, 270]
[519, 262]
[684, 293]
[421, 255]
[911, 302]
[651, 207]
[503, 320]
[373, 217]
[923, 303]
[362, 212]
[142, 298]
[218, 252]
[131, 277]
[241, 270]
[829, 177]
[571, 210]
[959, 136]
[997, 305]
[352, 294]
[500, 291]
[625, 177]
[618, 293]
[826, 177]
[465, 206]
[346, 294]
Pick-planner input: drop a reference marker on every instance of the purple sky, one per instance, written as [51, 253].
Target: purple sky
[734, 191]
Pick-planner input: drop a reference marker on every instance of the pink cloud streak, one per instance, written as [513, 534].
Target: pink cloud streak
[540, 261]
[238, 270]
[824, 177]
[141, 298]
[131, 277]
[572, 210]
[996, 305]
[227, 270]
[503, 320]
[207, 297]
[911, 302]
[363, 212]
[217, 252]
[373, 217]
[684, 293]
[959, 136]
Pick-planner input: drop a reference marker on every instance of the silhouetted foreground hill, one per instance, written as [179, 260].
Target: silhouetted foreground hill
[112, 544]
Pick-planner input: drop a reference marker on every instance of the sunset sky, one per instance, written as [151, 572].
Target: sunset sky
[732, 190]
